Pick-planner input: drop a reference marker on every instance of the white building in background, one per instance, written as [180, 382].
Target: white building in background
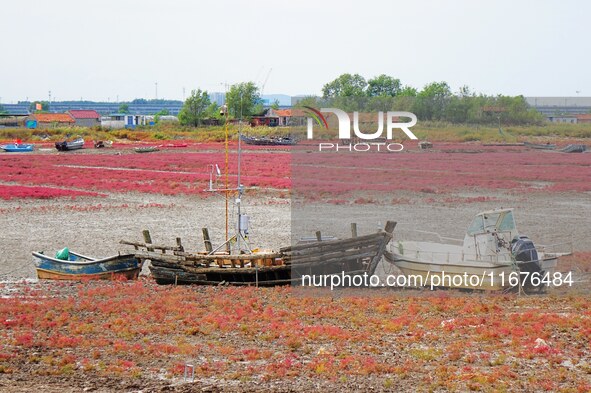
[556, 106]
[570, 119]
[123, 120]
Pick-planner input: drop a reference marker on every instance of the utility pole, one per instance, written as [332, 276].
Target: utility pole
[156, 83]
[49, 102]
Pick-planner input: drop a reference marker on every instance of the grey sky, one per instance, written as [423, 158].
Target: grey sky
[108, 48]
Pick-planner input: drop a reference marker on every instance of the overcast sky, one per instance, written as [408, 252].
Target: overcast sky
[98, 50]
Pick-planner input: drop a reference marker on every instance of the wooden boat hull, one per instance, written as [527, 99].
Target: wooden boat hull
[280, 275]
[80, 267]
[354, 256]
[131, 274]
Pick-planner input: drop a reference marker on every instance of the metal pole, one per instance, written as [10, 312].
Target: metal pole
[239, 200]
[227, 185]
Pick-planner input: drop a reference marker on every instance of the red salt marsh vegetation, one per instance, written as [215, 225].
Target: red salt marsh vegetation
[165, 172]
[131, 336]
[444, 171]
[451, 168]
[124, 335]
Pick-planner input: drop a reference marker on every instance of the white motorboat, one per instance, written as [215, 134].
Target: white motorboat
[493, 256]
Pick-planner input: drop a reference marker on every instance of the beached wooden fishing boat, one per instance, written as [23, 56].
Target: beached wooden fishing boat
[75, 144]
[81, 267]
[491, 253]
[353, 256]
[262, 269]
[17, 147]
[268, 141]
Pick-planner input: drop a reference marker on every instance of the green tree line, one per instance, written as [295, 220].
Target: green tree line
[435, 102]
[243, 101]
[352, 92]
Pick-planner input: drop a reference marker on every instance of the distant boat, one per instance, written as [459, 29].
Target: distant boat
[76, 144]
[541, 146]
[175, 145]
[103, 144]
[266, 141]
[574, 149]
[17, 147]
[146, 149]
[79, 267]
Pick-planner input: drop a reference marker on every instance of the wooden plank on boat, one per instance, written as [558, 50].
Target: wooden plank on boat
[150, 246]
[390, 225]
[166, 264]
[147, 238]
[160, 257]
[244, 257]
[187, 256]
[207, 240]
[335, 244]
[361, 252]
[321, 261]
[233, 270]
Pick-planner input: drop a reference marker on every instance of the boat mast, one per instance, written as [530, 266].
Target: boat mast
[225, 109]
[241, 225]
[239, 198]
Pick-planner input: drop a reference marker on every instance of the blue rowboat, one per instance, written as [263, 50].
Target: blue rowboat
[80, 267]
[17, 147]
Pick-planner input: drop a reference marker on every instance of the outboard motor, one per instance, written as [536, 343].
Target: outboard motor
[523, 249]
[526, 256]
[61, 146]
